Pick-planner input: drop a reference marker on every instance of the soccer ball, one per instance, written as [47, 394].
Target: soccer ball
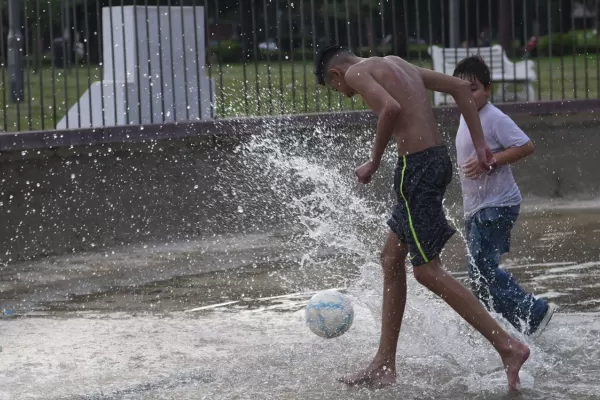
[329, 314]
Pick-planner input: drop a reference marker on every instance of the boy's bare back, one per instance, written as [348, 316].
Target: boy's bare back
[415, 128]
[397, 92]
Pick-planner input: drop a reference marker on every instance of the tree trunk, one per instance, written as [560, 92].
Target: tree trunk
[326, 21]
[596, 20]
[565, 15]
[246, 29]
[371, 35]
[505, 21]
[400, 38]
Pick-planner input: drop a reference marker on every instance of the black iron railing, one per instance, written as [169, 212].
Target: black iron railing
[69, 64]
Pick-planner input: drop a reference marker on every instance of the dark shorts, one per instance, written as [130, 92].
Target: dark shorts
[418, 219]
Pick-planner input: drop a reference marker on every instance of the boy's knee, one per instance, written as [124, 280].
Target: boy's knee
[428, 274]
[393, 260]
[485, 266]
[423, 275]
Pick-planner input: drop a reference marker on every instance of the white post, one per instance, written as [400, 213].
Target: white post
[150, 75]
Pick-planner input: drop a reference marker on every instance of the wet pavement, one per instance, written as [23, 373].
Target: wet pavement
[213, 320]
[554, 254]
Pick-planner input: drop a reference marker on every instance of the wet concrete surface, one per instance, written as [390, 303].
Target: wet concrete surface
[209, 320]
[554, 254]
[79, 199]
[217, 313]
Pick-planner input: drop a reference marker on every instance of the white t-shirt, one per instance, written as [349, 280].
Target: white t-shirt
[499, 188]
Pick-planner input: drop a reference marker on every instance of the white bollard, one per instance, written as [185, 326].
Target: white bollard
[154, 61]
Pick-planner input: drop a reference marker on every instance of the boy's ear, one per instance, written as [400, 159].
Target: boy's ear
[335, 72]
[488, 89]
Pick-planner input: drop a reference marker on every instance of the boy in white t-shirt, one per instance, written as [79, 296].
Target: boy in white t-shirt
[491, 206]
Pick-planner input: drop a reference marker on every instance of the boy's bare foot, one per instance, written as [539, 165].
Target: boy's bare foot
[513, 360]
[373, 375]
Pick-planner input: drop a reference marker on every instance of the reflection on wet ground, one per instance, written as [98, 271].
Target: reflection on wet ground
[556, 255]
[208, 320]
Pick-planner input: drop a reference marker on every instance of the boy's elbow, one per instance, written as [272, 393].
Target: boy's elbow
[462, 90]
[392, 110]
[529, 149]
[396, 110]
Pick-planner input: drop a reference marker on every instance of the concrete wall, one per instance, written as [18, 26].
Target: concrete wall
[81, 198]
[72, 200]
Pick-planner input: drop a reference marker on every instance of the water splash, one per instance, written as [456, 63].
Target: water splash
[337, 226]
[336, 213]
[323, 197]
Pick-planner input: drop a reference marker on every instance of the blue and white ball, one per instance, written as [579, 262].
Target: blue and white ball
[329, 314]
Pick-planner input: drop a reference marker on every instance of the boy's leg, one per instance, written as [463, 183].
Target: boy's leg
[425, 176]
[488, 235]
[513, 353]
[479, 281]
[382, 370]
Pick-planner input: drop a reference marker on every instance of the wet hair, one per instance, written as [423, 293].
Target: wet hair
[323, 60]
[472, 68]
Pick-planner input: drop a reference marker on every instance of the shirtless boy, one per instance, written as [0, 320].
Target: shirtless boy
[396, 91]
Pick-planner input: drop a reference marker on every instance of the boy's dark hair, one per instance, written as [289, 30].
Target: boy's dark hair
[474, 67]
[323, 58]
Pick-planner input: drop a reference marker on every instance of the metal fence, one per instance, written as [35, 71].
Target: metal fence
[90, 63]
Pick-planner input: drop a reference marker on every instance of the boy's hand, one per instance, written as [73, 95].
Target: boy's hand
[474, 168]
[366, 171]
[471, 169]
[486, 159]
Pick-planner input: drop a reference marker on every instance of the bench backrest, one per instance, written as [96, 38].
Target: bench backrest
[445, 59]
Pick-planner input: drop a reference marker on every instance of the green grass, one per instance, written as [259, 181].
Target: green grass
[267, 89]
[569, 78]
[47, 92]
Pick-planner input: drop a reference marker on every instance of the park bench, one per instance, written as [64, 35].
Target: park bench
[512, 81]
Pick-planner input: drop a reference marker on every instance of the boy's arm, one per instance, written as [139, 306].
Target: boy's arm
[512, 138]
[460, 90]
[383, 105]
[513, 154]
[508, 156]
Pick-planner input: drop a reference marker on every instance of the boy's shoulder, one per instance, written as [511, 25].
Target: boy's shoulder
[494, 117]
[503, 127]
[488, 116]
[376, 61]
[371, 65]
[491, 111]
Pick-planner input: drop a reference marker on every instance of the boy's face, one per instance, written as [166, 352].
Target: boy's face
[337, 82]
[481, 94]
